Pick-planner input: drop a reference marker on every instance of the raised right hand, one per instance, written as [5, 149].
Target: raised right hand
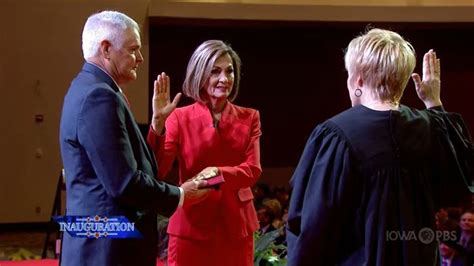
[429, 89]
[162, 107]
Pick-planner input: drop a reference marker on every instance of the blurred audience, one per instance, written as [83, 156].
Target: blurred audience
[459, 249]
[261, 191]
[282, 195]
[466, 239]
[450, 256]
[266, 214]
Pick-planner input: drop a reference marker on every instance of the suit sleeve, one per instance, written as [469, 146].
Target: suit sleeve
[102, 130]
[324, 188]
[246, 174]
[165, 147]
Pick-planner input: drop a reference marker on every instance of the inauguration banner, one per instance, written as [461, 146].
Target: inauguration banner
[97, 227]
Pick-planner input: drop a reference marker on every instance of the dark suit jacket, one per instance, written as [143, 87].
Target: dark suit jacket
[109, 171]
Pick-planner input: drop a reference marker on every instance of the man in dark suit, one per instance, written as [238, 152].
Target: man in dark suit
[109, 168]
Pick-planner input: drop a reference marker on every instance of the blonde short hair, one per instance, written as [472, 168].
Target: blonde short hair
[384, 60]
[200, 66]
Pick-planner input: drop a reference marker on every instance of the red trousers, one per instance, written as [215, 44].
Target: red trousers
[217, 251]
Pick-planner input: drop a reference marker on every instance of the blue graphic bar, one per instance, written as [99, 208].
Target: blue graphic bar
[97, 227]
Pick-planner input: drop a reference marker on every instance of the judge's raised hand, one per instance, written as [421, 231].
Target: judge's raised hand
[162, 107]
[429, 89]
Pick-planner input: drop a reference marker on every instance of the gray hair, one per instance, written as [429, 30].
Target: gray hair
[105, 25]
[384, 60]
[200, 66]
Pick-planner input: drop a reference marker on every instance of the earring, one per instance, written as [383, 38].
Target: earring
[358, 92]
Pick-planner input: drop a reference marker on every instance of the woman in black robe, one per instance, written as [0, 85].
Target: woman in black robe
[371, 178]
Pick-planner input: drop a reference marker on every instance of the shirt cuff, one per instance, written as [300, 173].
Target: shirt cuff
[181, 197]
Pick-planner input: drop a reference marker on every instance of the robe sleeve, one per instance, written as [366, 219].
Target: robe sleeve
[324, 192]
[456, 158]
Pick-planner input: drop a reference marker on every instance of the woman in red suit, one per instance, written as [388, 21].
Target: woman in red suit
[211, 135]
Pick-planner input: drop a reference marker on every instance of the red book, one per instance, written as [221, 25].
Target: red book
[214, 181]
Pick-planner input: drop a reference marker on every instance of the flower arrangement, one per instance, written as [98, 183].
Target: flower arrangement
[267, 253]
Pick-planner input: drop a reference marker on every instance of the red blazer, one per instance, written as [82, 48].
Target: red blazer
[233, 146]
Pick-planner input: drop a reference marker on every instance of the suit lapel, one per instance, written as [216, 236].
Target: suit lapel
[201, 111]
[228, 114]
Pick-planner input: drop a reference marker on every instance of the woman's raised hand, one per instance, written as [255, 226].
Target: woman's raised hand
[162, 107]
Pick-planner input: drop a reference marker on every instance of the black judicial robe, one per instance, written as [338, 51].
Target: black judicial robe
[368, 184]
